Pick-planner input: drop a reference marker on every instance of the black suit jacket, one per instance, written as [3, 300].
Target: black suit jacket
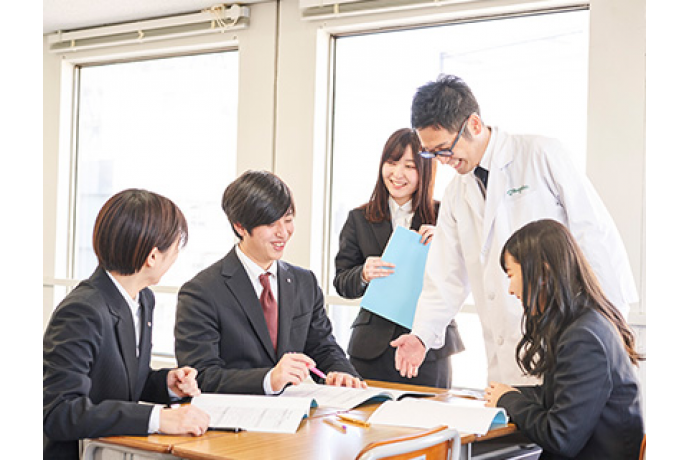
[221, 331]
[371, 334]
[92, 378]
[589, 407]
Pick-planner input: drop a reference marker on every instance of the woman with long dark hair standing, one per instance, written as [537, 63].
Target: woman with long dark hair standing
[403, 195]
[579, 343]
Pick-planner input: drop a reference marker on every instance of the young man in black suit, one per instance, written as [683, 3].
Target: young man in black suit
[251, 323]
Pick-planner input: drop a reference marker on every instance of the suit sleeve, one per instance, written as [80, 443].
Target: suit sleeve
[349, 262]
[71, 343]
[197, 344]
[321, 345]
[582, 385]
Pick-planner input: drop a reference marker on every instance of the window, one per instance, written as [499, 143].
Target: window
[529, 75]
[167, 125]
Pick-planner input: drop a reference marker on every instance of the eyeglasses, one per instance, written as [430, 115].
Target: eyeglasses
[445, 152]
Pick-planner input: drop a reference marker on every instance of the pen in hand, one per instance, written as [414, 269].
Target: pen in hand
[317, 372]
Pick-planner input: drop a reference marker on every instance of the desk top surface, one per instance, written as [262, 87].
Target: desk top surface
[314, 439]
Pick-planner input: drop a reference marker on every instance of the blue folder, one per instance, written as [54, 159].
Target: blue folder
[395, 296]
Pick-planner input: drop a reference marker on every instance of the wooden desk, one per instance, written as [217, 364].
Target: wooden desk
[314, 438]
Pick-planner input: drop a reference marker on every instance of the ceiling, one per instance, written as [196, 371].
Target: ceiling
[78, 14]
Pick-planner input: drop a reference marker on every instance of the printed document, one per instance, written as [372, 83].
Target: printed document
[269, 414]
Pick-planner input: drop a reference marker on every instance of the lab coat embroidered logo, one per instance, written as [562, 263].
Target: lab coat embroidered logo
[513, 191]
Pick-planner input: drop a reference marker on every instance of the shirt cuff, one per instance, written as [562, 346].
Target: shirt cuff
[268, 389]
[155, 419]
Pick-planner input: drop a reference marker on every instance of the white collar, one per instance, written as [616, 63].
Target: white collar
[406, 207]
[252, 268]
[490, 147]
[132, 302]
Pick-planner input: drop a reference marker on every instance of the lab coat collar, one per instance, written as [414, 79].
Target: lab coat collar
[495, 158]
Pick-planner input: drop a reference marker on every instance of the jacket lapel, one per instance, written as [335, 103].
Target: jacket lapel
[286, 299]
[124, 326]
[382, 233]
[147, 303]
[496, 193]
[237, 281]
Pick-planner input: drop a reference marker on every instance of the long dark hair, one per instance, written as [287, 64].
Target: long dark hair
[377, 210]
[558, 285]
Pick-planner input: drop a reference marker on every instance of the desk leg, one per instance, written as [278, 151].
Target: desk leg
[466, 451]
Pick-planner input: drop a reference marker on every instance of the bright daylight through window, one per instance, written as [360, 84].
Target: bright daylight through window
[167, 125]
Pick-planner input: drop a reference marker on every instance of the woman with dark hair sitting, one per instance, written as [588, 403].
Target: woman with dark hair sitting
[574, 338]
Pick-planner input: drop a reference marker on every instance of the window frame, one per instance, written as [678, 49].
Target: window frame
[63, 279]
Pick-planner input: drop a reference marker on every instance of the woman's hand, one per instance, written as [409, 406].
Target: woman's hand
[427, 232]
[494, 391]
[374, 267]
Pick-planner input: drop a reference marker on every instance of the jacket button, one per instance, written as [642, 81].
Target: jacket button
[500, 340]
[491, 296]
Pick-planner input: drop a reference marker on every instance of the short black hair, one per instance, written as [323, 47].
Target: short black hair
[444, 103]
[256, 198]
[130, 224]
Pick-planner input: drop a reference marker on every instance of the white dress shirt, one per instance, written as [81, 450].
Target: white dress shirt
[254, 271]
[400, 215]
[135, 306]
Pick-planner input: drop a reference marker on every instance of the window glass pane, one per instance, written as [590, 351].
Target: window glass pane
[529, 75]
[167, 125]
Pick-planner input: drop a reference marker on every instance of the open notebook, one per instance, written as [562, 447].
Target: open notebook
[347, 398]
[464, 415]
[283, 414]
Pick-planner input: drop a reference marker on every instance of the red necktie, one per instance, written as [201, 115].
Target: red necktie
[270, 307]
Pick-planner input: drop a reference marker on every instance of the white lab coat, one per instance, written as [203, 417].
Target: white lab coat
[530, 178]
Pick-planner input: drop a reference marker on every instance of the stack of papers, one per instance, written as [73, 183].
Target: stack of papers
[469, 417]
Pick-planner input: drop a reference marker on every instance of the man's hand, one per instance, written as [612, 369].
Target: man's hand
[186, 419]
[292, 368]
[341, 379]
[182, 382]
[409, 355]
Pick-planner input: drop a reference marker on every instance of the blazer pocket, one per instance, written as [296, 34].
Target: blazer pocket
[371, 335]
[364, 317]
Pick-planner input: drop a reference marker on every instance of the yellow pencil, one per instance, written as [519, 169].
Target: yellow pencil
[353, 420]
[338, 426]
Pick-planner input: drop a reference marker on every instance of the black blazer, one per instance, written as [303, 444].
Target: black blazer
[589, 407]
[221, 331]
[371, 333]
[92, 378]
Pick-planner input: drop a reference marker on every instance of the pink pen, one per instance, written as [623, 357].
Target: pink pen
[317, 372]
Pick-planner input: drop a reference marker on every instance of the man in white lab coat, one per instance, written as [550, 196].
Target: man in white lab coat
[528, 178]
